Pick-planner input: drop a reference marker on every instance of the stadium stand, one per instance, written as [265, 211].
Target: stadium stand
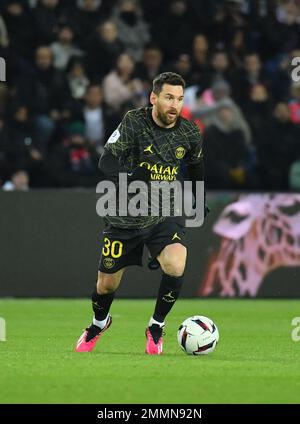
[75, 67]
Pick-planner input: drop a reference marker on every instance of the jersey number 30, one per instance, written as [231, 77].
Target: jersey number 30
[113, 249]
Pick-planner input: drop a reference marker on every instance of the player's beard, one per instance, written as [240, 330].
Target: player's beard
[165, 118]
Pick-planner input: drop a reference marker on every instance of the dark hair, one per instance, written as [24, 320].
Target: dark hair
[167, 78]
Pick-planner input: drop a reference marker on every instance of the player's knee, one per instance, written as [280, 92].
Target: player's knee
[106, 284]
[174, 269]
[106, 288]
[173, 260]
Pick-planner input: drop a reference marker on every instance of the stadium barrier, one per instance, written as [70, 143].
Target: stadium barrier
[249, 246]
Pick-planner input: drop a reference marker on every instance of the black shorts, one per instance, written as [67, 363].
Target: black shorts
[121, 247]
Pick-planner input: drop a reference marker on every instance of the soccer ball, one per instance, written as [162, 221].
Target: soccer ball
[198, 335]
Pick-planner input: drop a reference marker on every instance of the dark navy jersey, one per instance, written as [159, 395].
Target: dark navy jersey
[139, 141]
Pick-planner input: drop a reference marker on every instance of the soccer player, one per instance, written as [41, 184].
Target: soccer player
[149, 145]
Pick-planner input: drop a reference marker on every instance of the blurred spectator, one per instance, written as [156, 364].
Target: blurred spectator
[237, 48]
[227, 20]
[200, 60]
[152, 9]
[19, 181]
[173, 32]
[103, 50]
[226, 152]
[93, 112]
[277, 148]
[20, 138]
[19, 24]
[43, 89]
[120, 87]
[85, 17]
[183, 67]
[220, 68]
[132, 29]
[202, 13]
[204, 105]
[4, 40]
[74, 162]
[258, 109]
[77, 78]
[288, 14]
[20, 149]
[46, 21]
[103, 6]
[251, 74]
[280, 75]
[63, 49]
[150, 66]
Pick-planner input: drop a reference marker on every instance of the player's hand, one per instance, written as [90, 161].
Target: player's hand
[140, 173]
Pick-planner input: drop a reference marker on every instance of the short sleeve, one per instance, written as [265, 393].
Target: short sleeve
[121, 140]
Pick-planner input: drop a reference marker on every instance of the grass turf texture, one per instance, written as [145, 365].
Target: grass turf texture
[256, 360]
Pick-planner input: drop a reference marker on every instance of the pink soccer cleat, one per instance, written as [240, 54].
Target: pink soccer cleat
[154, 345]
[90, 336]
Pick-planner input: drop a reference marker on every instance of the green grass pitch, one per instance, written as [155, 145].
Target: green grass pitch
[256, 360]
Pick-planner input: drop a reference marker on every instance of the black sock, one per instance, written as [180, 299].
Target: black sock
[168, 293]
[101, 304]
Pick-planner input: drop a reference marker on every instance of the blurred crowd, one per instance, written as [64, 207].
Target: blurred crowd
[74, 67]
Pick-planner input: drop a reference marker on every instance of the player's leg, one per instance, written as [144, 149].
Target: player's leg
[102, 298]
[168, 240]
[172, 260]
[120, 248]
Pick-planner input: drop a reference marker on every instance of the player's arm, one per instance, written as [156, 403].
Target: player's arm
[110, 167]
[195, 165]
[117, 148]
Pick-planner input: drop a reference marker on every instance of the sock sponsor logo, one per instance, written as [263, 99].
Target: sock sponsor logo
[95, 304]
[169, 297]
